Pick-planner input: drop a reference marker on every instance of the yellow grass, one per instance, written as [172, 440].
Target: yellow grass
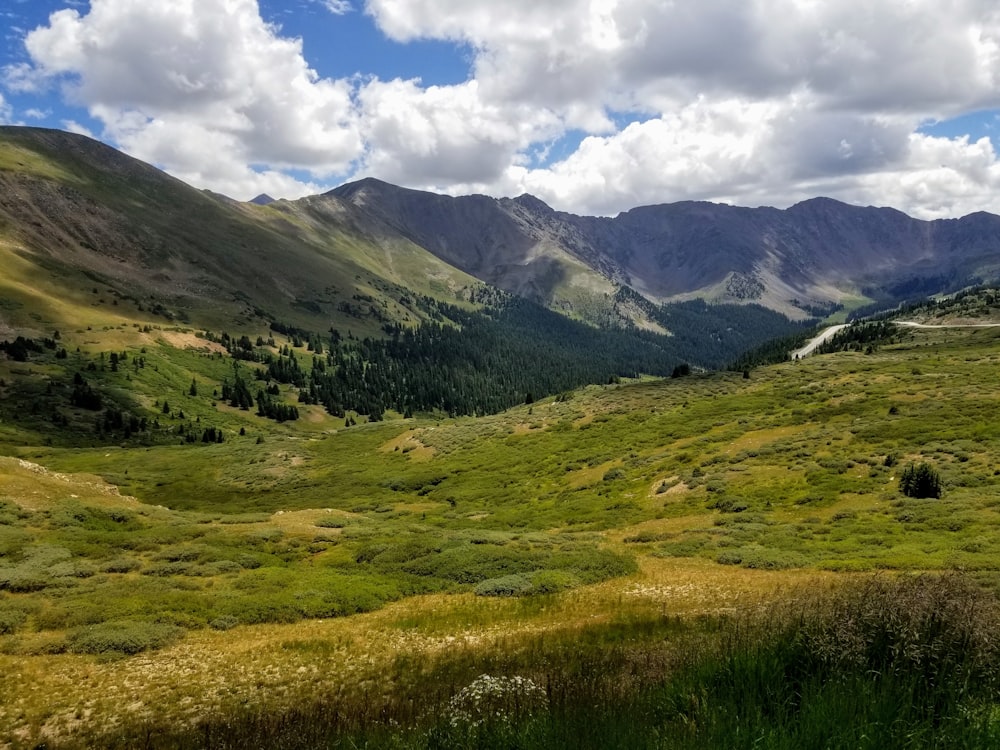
[275, 664]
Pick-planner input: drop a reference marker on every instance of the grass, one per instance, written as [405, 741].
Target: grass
[872, 662]
[649, 512]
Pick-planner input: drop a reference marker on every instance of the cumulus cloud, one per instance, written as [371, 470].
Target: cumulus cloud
[758, 102]
[761, 101]
[443, 136]
[205, 87]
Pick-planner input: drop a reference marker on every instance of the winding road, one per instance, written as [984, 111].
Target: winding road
[827, 333]
[824, 335]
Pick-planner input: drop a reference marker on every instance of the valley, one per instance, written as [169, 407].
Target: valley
[312, 474]
[237, 572]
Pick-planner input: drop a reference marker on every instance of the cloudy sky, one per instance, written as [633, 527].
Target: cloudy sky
[594, 106]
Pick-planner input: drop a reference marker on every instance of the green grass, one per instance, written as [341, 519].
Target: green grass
[876, 663]
[520, 513]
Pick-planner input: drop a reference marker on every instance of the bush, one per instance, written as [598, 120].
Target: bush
[120, 565]
[123, 637]
[512, 585]
[552, 581]
[11, 620]
[920, 481]
[226, 622]
[330, 523]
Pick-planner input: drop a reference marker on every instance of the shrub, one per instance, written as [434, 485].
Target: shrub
[11, 620]
[225, 622]
[330, 523]
[920, 481]
[552, 581]
[512, 585]
[120, 565]
[123, 637]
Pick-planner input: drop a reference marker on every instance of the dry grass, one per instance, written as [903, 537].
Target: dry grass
[209, 671]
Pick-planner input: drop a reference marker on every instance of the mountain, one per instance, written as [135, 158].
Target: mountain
[262, 200]
[83, 226]
[815, 254]
[83, 219]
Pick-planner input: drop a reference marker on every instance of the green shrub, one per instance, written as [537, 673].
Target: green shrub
[123, 637]
[645, 537]
[11, 620]
[729, 557]
[330, 523]
[120, 565]
[225, 622]
[512, 585]
[553, 581]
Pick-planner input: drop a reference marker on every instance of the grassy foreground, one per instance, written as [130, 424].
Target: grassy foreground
[866, 664]
[713, 561]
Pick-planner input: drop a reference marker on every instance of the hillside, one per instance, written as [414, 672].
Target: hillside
[83, 226]
[282, 475]
[815, 255]
[524, 544]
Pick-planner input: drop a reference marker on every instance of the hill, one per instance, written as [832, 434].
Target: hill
[77, 216]
[617, 530]
[282, 476]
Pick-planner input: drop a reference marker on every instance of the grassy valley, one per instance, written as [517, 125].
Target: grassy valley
[606, 546]
[273, 476]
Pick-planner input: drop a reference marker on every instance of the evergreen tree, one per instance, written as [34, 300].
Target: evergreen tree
[922, 481]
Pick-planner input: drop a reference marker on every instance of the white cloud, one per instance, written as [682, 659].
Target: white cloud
[6, 111]
[23, 78]
[337, 7]
[444, 136]
[73, 126]
[757, 102]
[203, 87]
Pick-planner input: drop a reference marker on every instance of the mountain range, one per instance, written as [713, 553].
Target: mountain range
[77, 216]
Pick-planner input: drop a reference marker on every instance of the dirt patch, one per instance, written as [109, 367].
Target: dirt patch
[409, 444]
[755, 440]
[183, 340]
[675, 487]
[35, 488]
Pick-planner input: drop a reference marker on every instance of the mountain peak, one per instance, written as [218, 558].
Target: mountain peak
[529, 201]
[262, 200]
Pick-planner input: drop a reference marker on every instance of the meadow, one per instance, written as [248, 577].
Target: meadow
[633, 564]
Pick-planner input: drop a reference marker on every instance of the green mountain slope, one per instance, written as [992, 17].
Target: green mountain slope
[76, 216]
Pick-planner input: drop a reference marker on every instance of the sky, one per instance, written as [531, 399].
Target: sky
[594, 106]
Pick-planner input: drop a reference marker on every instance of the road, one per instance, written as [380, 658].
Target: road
[828, 333]
[914, 324]
[825, 335]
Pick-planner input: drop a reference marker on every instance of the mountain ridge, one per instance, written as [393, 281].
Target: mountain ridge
[352, 254]
[816, 253]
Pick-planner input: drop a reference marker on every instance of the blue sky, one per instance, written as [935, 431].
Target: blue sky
[595, 106]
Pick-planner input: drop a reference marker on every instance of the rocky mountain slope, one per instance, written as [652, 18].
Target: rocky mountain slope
[813, 254]
[80, 220]
[86, 217]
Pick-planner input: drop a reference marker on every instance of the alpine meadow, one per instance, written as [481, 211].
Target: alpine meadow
[381, 468]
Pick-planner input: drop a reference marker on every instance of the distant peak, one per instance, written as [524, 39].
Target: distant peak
[263, 199]
[531, 202]
[819, 202]
[350, 188]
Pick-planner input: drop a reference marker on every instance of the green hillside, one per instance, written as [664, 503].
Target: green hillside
[616, 535]
[89, 235]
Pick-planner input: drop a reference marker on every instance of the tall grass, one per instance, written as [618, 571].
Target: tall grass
[879, 663]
